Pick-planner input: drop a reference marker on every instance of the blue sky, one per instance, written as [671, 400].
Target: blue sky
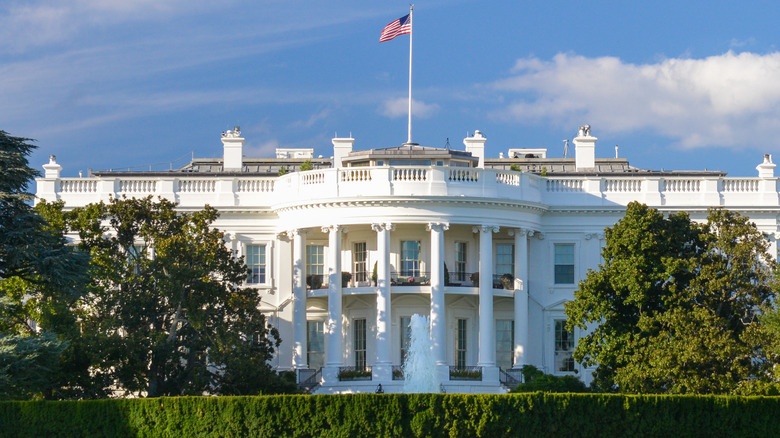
[106, 84]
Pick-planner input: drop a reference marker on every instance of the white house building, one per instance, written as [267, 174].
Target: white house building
[489, 248]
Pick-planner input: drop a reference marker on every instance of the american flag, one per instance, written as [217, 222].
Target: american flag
[398, 27]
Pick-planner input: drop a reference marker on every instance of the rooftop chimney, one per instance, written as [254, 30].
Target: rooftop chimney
[585, 149]
[52, 169]
[233, 145]
[341, 148]
[476, 145]
[767, 168]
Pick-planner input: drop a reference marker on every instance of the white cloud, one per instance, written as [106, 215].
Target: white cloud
[312, 120]
[726, 100]
[41, 22]
[400, 107]
[262, 149]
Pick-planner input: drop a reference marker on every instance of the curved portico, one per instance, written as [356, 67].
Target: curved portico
[434, 233]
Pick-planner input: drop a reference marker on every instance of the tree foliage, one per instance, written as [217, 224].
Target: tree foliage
[165, 311]
[672, 307]
[40, 280]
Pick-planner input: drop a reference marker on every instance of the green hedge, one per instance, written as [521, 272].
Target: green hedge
[406, 415]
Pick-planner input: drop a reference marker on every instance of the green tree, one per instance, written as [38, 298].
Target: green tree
[166, 310]
[672, 306]
[306, 165]
[40, 280]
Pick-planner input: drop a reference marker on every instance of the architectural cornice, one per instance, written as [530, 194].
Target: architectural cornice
[533, 207]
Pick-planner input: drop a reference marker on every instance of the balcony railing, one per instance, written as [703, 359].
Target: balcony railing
[416, 278]
[462, 279]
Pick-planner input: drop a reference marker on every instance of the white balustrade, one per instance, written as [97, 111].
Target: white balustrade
[410, 174]
[137, 186]
[622, 185]
[564, 185]
[78, 185]
[344, 183]
[508, 178]
[355, 174]
[681, 185]
[742, 185]
[197, 185]
[265, 185]
[463, 174]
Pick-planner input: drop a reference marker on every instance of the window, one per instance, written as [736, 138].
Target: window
[460, 344]
[315, 265]
[315, 344]
[134, 255]
[505, 259]
[505, 342]
[255, 262]
[410, 258]
[460, 261]
[406, 336]
[564, 263]
[361, 260]
[359, 337]
[564, 347]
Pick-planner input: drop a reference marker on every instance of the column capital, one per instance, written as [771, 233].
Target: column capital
[382, 227]
[228, 237]
[337, 228]
[485, 229]
[521, 232]
[297, 232]
[437, 226]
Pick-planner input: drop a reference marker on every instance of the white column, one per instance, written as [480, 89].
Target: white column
[521, 296]
[487, 347]
[383, 367]
[438, 312]
[333, 330]
[299, 359]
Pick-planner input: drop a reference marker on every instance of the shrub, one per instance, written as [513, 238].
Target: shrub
[407, 415]
[515, 167]
[314, 281]
[306, 165]
[346, 277]
[536, 380]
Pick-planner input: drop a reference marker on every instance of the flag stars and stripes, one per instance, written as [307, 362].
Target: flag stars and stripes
[400, 26]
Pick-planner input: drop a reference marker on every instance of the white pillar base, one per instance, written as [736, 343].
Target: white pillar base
[490, 374]
[330, 376]
[382, 373]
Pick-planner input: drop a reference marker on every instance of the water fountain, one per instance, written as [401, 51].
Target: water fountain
[419, 365]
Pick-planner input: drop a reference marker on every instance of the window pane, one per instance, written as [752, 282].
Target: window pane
[359, 337]
[460, 335]
[564, 347]
[361, 259]
[315, 259]
[460, 261]
[255, 262]
[406, 336]
[315, 337]
[410, 258]
[505, 259]
[564, 263]
[505, 343]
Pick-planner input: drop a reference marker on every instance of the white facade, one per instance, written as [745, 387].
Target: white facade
[417, 222]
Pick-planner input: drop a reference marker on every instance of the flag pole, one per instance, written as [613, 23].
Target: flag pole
[411, 32]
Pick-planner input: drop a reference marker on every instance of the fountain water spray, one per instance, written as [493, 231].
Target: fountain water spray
[419, 365]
